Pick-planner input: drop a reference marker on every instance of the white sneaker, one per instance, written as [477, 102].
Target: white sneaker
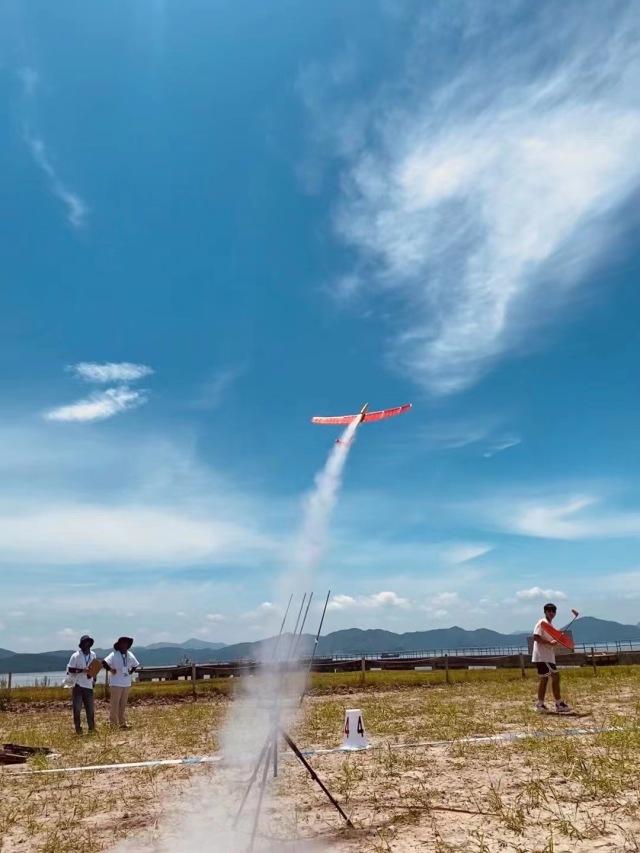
[563, 708]
[541, 708]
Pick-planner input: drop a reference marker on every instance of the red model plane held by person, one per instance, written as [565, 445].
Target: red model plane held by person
[363, 416]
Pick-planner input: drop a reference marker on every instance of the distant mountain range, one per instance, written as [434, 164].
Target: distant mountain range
[188, 644]
[351, 641]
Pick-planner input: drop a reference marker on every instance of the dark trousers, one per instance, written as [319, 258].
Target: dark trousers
[82, 696]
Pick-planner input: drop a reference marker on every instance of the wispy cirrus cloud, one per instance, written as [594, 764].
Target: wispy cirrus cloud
[109, 371]
[103, 404]
[76, 208]
[82, 533]
[486, 435]
[569, 517]
[477, 203]
[501, 444]
[576, 517]
[214, 390]
[98, 406]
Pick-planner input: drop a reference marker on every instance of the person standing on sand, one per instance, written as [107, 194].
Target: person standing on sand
[121, 663]
[82, 693]
[544, 656]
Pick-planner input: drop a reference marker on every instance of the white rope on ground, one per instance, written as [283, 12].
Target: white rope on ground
[505, 737]
[160, 762]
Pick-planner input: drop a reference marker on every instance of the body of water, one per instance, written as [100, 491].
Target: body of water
[29, 679]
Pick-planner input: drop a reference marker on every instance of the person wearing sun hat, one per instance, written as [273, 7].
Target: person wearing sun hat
[121, 663]
[82, 693]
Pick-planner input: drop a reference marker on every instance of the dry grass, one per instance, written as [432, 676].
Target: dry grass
[538, 795]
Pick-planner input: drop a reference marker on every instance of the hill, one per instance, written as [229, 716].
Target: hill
[349, 641]
[188, 644]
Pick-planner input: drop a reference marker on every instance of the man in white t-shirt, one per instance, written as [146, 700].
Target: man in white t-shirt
[544, 656]
[82, 692]
[121, 663]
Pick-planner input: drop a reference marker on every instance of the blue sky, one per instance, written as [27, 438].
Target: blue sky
[220, 219]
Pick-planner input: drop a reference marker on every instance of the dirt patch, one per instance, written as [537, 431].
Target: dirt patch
[536, 795]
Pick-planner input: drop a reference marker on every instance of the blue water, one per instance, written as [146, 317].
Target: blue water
[29, 679]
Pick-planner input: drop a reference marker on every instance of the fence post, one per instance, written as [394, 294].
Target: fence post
[593, 659]
[9, 675]
[363, 670]
[193, 680]
[446, 669]
[522, 670]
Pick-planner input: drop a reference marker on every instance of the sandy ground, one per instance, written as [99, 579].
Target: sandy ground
[539, 795]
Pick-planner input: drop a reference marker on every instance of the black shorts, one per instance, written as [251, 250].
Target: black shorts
[546, 668]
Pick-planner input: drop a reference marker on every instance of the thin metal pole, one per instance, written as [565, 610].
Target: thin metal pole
[275, 753]
[295, 649]
[252, 779]
[315, 646]
[295, 628]
[315, 776]
[284, 619]
[263, 785]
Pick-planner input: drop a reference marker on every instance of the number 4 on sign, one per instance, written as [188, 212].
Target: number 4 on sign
[354, 735]
[359, 727]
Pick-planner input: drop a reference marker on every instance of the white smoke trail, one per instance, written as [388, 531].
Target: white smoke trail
[203, 819]
[319, 504]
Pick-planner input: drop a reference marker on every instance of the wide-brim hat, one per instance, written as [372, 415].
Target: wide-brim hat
[86, 638]
[127, 640]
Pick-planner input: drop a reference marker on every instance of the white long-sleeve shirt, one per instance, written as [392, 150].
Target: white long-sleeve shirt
[79, 660]
[123, 663]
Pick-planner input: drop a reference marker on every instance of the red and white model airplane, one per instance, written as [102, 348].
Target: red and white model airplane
[363, 416]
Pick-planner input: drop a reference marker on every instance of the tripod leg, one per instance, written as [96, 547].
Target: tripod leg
[263, 784]
[252, 779]
[275, 754]
[315, 776]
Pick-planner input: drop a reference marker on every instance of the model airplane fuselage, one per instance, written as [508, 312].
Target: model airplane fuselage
[363, 416]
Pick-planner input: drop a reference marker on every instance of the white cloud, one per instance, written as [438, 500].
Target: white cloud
[77, 209]
[73, 633]
[502, 444]
[574, 517]
[99, 406]
[537, 592]
[478, 205]
[214, 617]
[123, 371]
[215, 389]
[385, 598]
[30, 80]
[482, 433]
[74, 534]
[444, 599]
[462, 552]
[341, 602]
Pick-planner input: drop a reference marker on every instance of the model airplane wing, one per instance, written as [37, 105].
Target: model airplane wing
[335, 421]
[386, 413]
[559, 636]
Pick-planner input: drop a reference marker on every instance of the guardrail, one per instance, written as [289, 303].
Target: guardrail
[487, 651]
